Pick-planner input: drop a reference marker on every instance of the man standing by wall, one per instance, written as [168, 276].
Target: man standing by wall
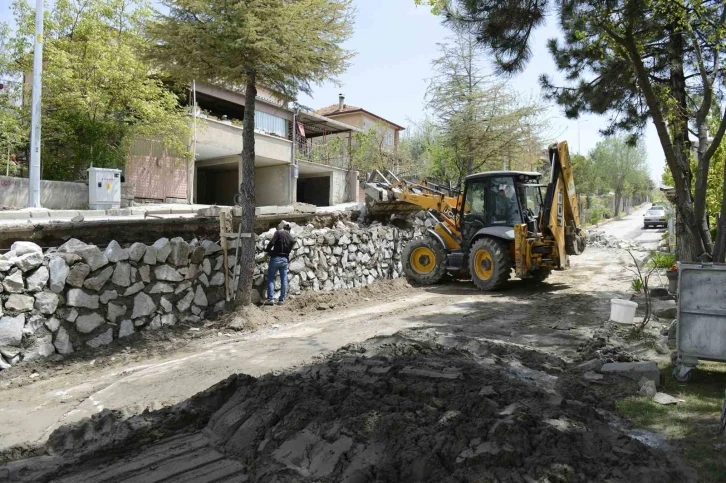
[279, 250]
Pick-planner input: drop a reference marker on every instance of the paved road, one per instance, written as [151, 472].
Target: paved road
[631, 228]
[557, 317]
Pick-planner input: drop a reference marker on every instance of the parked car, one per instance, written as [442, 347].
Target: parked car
[655, 216]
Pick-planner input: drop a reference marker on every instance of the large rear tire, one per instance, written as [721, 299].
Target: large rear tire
[424, 261]
[489, 264]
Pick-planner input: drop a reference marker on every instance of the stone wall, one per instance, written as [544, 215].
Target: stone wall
[346, 256]
[77, 295]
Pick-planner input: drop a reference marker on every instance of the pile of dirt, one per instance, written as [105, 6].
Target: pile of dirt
[253, 318]
[415, 411]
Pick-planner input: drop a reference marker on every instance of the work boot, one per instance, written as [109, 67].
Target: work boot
[281, 302]
[269, 302]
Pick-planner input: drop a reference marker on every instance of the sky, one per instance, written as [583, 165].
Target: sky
[396, 41]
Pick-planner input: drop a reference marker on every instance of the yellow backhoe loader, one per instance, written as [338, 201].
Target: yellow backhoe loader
[500, 221]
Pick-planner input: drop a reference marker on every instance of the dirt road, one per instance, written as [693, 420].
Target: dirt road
[556, 317]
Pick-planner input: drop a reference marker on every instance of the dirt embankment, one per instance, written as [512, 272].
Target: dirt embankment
[402, 408]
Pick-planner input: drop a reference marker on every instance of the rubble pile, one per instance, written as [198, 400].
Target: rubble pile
[599, 239]
[414, 412]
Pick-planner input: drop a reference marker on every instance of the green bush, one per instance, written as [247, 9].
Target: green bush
[662, 260]
[594, 215]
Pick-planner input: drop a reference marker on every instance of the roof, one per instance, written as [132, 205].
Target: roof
[488, 174]
[317, 125]
[334, 110]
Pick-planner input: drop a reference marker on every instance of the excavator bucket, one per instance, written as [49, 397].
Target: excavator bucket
[381, 201]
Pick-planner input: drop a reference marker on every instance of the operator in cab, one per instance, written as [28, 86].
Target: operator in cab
[507, 207]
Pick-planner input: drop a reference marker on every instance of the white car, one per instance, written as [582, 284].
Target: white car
[655, 216]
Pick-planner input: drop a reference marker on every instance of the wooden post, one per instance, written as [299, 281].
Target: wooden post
[225, 244]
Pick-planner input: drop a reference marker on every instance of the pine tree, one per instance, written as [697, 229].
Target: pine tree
[635, 61]
[283, 45]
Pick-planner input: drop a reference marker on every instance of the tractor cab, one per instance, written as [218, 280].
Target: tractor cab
[495, 202]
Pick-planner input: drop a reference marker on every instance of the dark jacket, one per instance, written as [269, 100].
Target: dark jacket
[281, 244]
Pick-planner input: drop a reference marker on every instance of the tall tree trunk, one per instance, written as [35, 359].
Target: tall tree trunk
[693, 212]
[690, 242]
[247, 188]
[616, 208]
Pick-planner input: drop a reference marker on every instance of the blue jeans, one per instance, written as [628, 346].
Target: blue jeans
[277, 264]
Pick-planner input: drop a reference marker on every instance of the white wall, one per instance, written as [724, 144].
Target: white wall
[55, 195]
[272, 186]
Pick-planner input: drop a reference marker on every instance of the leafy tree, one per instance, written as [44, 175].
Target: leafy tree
[285, 46]
[634, 60]
[621, 167]
[98, 94]
[585, 173]
[484, 123]
[14, 126]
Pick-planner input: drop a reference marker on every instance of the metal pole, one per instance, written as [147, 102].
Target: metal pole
[7, 166]
[191, 171]
[34, 175]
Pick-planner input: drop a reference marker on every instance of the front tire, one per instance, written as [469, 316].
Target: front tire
[424, 261]
[489, 264]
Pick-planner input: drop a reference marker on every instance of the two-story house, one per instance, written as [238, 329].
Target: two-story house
[363, 119]
[213, 175]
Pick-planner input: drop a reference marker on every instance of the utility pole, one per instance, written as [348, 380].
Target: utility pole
[34, 175]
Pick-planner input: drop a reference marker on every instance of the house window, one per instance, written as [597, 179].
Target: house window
[388, 138]
[270, 124]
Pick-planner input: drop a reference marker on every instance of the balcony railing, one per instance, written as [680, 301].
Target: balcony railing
[332, 151]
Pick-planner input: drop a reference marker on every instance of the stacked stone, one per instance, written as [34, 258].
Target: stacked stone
[79, 295]
[346, 256]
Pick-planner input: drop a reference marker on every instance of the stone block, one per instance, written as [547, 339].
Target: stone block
[46, 302]
[143, 306]
[163, 249]
[59, 271]
[88, 323]
[137, 251]
[78, 274]
[62, 342]
[168, 273]
[115, 253]
[78, 298]
[97, 281]
[101, 340]
[122, 275]
[14, 282]
[19, 303]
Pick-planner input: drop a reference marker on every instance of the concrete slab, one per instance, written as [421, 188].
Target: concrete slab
[119, 212]
[179, 209]
[66, 213]
[94, 213]
[14, 215]
[633, 370]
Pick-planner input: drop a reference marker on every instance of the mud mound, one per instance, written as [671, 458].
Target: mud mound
[425, 414]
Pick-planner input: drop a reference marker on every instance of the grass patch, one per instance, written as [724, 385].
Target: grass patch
[690, 426]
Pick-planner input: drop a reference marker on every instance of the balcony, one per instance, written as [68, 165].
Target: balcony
[217, 140]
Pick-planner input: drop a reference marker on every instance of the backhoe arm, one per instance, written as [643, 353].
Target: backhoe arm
[561, 208]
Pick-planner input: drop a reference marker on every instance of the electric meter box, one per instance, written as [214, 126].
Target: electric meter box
[104, 188]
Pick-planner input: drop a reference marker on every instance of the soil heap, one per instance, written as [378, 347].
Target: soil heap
[395, 409]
